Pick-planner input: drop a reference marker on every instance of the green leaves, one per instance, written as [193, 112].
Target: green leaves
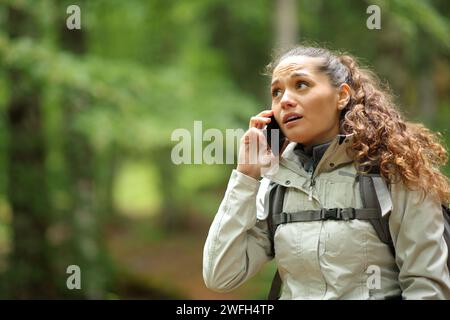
[134, 105]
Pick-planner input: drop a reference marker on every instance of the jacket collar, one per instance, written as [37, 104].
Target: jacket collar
[332, 154]
[311, 156]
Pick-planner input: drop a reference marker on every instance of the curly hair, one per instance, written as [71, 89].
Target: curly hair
[401, 150]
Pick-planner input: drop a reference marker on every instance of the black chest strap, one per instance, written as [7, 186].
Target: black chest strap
[325, 214]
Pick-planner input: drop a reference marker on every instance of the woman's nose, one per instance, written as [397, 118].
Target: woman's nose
[287, 101]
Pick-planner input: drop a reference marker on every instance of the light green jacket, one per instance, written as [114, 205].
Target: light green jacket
[327, 259]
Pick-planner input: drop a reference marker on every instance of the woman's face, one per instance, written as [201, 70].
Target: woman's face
[304, 102]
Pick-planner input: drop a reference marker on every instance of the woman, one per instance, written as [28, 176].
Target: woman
[336, 117]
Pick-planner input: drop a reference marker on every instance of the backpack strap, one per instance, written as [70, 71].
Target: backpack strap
[275, 287]
[274, 199]
[446, 212]
[374, 194]
[325, 214]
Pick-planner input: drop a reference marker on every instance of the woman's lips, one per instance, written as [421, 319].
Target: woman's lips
[292, 123]
[291, 116]
[291, 119]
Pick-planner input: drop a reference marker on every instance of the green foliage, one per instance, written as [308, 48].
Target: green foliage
[136, 107]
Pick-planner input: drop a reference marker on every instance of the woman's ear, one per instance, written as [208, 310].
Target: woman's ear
[344, 95]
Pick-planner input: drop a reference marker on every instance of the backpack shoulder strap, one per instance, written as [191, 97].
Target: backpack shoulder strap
[446, 212]
[274, 203]
[375, 194]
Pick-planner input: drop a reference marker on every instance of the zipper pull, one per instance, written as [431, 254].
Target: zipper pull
[311, 186]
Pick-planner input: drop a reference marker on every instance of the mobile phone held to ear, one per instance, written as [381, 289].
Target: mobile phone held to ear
[273, 132]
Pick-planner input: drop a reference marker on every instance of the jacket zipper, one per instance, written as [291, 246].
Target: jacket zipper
[311, 186]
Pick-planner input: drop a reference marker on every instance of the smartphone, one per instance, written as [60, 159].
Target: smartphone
[273, 125]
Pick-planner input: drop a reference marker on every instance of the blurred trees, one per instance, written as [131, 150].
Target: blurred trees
[76, 106]
[27, 189]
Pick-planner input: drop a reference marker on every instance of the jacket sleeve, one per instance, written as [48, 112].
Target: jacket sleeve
[237, 245]
[421, 251]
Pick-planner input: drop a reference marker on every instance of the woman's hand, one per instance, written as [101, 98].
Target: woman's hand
[254, 152]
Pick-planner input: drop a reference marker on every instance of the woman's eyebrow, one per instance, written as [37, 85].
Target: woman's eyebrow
[299, 74]
[293, 75]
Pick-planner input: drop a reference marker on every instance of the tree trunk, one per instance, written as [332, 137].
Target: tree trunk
[286, 23]
[170, 216]
[31, 274]
[427, 97]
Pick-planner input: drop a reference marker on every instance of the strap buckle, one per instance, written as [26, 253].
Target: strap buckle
[348, 214]
[330, 214]
[285, 217]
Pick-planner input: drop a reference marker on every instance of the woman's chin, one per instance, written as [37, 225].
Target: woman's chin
[298, 139]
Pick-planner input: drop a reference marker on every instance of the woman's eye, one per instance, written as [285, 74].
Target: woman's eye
[276, 93]
[302, 85]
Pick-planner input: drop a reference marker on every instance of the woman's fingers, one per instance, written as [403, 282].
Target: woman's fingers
[265, 113]
[258, 122]
[261, 119]
[253, 135]
[254, 153]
